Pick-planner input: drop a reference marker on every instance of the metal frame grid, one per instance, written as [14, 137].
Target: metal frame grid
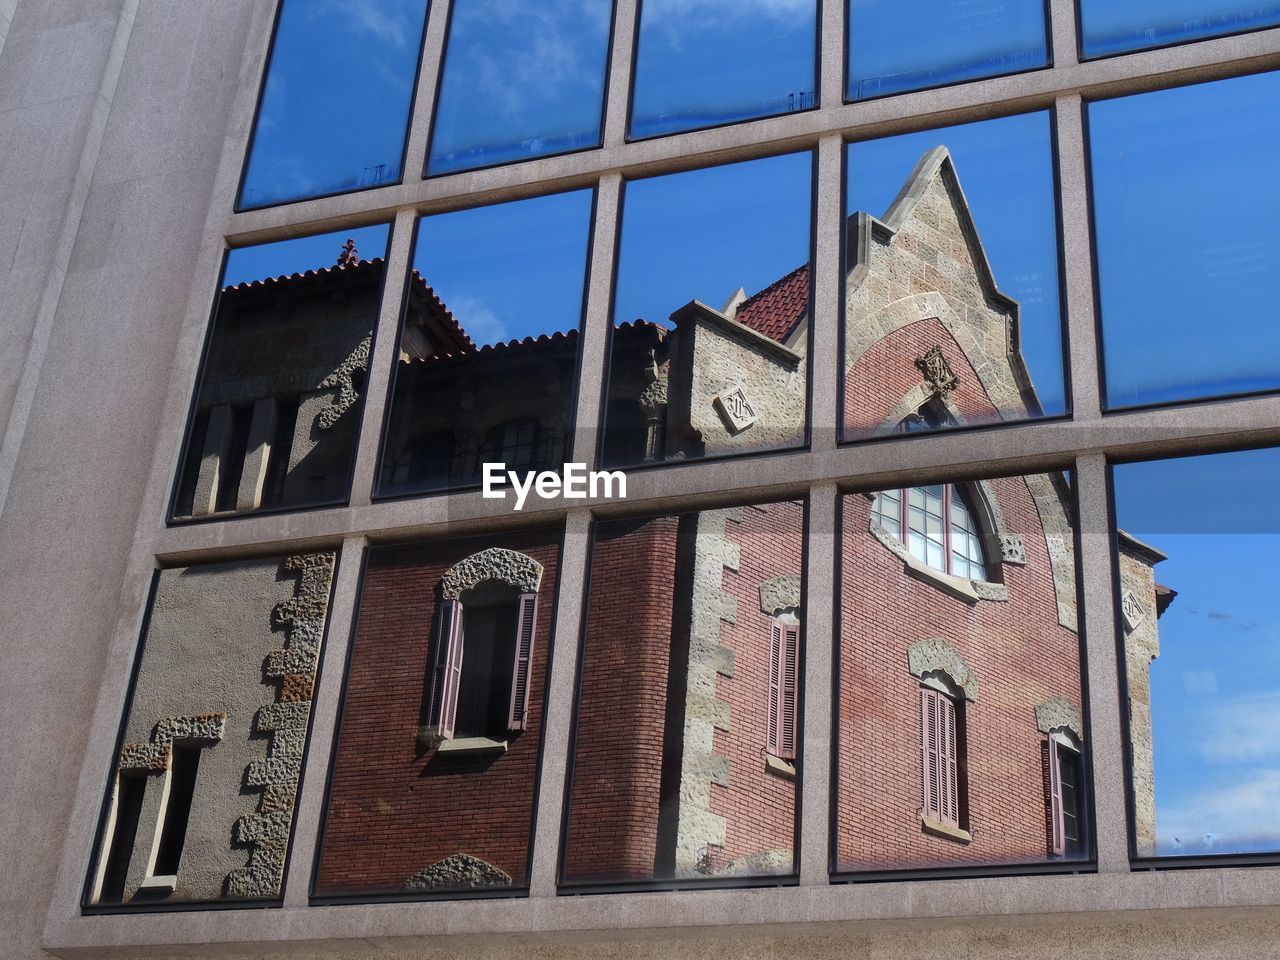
[1086, 442]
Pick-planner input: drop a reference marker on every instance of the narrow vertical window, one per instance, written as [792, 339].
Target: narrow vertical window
[518, 718]
[177, 811]
[123, 835]
[1066, 834]
[447, 671]
[939, 787]
[784, 656]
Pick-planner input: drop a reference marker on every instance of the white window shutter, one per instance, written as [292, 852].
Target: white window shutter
[526, 623]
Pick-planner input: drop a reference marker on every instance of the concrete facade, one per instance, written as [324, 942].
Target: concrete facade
[126, 122]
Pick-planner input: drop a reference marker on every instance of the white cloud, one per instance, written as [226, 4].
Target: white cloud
[1240, 730]
[1236, 814]
[481, 323]
[388, 20]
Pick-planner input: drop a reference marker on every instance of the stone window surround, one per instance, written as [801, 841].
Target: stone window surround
[1161, 432]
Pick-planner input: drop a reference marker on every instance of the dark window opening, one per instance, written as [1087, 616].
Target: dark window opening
[521, 444]
[229, 473]
[427, 462]
[128, 809]
[177, 811]
[1069, 778]
[484, 694]
[626, 433]
[281, 447]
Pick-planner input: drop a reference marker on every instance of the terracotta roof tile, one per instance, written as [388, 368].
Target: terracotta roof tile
[776, 309]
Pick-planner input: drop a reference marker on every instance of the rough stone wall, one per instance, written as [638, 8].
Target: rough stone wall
[1021, 656]
[757, 804]
[928, 266]
[1141, 645]
[212, 629]
[707, 360]
[396, 808]
[618, 739]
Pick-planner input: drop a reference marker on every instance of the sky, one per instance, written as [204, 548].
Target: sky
[520, 80]
[1111, 27]
[934, 42]
[510, 270]
[1214, 690]
[1187, 212]
[315, 252]
[334, 114]
[702, 234]
[700, 63]
[1005, 167]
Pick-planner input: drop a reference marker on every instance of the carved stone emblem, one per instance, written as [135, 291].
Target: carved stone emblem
[1131, 607]
[1012, 549]
[737, 410]
[937, 372]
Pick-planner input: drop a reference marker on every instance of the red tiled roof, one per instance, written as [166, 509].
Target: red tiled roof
[324, 273]
[776, 309]
[452, 328]
[496, 349]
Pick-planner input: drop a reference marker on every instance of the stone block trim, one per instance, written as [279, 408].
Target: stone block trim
[1051, 499]
[701, 767]
[1059, 713]
[780, 593]
[496, 563]
[156, 755]
[266, 832]
[936, 654]
[459, 872]
[342, 379]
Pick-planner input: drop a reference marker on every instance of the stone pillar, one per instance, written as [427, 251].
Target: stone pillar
[305, 482]
[217, 445]
[262, 432]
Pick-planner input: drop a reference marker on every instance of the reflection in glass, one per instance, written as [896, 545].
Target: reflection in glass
[437, 756]
[489, 344]
[278, 407]
[952, 311]
[1203, 691]
[334, 113]
[688, 379]
[1187, 306]
[520, 81]
[897, 47]
[202, 792]
[686, 740]
[701, 63]
[1108, 27]
[961, 739]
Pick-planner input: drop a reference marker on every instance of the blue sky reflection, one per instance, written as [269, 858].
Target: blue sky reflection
[1111, 27]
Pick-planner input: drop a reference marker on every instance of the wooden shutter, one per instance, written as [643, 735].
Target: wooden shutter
[790, 664]
[517, 717]
[774, 726]
[446, 674]
[1057, 828]
[939, 776]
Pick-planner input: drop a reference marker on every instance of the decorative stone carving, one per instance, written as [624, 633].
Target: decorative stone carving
[292, 668]
[937, 372]
[1012, 549]
[1059, 713]
[342, 379]
[776, 862]
[936, 654]
[780, 593]
[737, 410]
[461, 871]
[1132, 610]
[156, 755]
[496, 563]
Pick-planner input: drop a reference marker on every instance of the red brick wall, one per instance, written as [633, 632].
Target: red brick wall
[617, 758]
[394, 810]
[1021, 656]
[887, 372]
[759, 806]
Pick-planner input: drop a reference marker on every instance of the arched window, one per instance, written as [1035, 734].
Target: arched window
[937, 526]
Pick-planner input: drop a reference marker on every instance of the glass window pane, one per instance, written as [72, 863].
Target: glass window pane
[1200, 623]
[895, 47]
[520, 81]
[957, 307]
[215, 733]
[711, 313]
[430, 800]
[1009, 658]
[307, 139]
[685, 768]
[1188, 305]
[489, 344]
[1109, 27]
[280, 397]
[702, 63]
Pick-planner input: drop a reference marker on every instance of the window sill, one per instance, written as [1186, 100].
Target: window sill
[471, 746]
[947, 831]
[160, 884]
[968, 591]
[779, 767]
